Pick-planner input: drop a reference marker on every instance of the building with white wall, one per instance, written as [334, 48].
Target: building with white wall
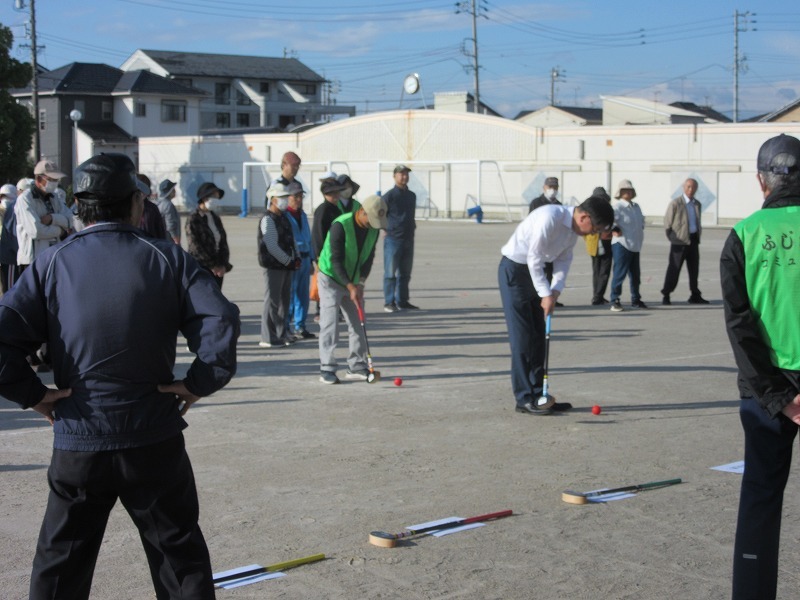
[501, 163]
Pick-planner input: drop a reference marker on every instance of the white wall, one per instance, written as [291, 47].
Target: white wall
[655, 158]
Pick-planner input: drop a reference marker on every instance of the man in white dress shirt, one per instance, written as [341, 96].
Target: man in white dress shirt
[547, 234]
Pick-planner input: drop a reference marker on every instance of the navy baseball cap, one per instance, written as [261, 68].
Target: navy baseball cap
[782, 144]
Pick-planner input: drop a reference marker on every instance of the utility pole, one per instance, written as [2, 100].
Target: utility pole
[37, 153]
[739, 62]
[474, 9]
[556, 74]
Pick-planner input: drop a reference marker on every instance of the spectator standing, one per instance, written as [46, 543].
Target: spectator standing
[8, 238]
[43, 218]
[398, 245]
[208, 242]
[683, 228]
[549, 194]
[626, 245]
[278, 258]
[344, 265]
[172, 220]
[117, 412]
[599, 248]
[301, 278]
[760, 287]
[152, 221]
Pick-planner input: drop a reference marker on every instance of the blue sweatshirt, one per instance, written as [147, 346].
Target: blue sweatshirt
[110, 302]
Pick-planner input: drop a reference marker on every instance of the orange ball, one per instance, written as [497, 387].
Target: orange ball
[596, 410]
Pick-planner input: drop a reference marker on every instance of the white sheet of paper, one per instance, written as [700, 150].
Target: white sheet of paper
[611, 497]
[432, 523]
[456, 529]
[734, 467]
[234, 583]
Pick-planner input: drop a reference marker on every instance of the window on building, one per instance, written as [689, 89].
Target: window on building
[242, 99]
[223, 120]
[243, 119]
[42, 119]
[173, 110]
[140, 109]
[222, 93]
[107, 111]
[264, 87]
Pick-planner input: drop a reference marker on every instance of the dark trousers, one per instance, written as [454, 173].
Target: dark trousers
[8, 276]
[677, 256]
[626, 264]
[601, 270]
[398, 260]
[275, 312]
[156, 486]
[525, 321]
[767, 459]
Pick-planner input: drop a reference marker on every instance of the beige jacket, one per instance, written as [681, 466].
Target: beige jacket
[676, 221]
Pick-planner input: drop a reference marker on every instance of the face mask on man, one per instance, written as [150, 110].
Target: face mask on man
[50, 186]
[346, 194]
[209, 202]
[282, 203]
[550, 193]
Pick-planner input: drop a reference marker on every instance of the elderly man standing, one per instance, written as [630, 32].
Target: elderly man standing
[760, 286]
[117, 412]
[682, 226]
[549, 194]
[42, 217]
[172, 220]
[398, 245]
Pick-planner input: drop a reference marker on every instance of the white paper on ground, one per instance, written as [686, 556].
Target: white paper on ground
[609, 497]
[442, 532]
[233, 583]
[432, 523]
[734, 467]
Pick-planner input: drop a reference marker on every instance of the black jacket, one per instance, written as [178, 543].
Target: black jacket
[772, 387]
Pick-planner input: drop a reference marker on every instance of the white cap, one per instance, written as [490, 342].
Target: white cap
[24, 184]
[9, 190]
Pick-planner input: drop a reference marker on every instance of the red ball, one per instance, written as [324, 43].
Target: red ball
[596, 410]
[398, 382]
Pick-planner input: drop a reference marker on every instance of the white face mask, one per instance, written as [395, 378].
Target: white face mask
[50, 186]
[282, 203]
[346, 194]
[210, 203]
[550, 193]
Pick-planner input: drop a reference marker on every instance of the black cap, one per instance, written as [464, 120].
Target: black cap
[206, 189]
[345, 181]
[600, 192]
[165, 187]
[105, 179]
[782, 144]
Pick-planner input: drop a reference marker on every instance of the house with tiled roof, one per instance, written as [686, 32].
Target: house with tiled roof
[86, 108]
[245, 92]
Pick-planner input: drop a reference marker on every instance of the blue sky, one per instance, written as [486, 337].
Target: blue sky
[660, 50]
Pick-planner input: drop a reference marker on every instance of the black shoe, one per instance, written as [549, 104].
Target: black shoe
[562, 406]
[698, 300]
[638, 304]
[390, 308]
[529, 408]
[559, 304]
[407, 306]
[665, 301]
[306, 335]
[599, 301]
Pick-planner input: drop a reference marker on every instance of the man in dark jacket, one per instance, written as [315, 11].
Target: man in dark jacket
[760, 274]
[398, 245]
[117, 412]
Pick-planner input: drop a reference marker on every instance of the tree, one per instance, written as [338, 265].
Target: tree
[16, 122]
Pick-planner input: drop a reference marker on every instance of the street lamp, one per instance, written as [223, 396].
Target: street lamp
[76, 116]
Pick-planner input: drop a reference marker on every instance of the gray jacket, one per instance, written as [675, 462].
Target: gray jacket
[676, 221]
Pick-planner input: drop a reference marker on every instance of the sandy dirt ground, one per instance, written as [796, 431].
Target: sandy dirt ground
[287, 467]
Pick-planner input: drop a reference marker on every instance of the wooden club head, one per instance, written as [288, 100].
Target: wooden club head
[382, 539]
[571, 497]
[374, 377]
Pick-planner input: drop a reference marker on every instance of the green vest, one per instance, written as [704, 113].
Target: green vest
[352, 259]
[354, 206]
[771, 242]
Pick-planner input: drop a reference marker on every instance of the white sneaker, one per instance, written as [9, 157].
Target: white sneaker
[360, 375]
